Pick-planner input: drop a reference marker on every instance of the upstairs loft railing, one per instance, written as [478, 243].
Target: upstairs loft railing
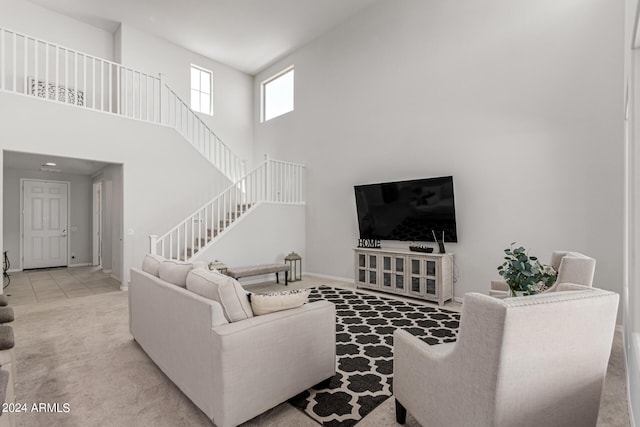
[35, 67]
[272, 181]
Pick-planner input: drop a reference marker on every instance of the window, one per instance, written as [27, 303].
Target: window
[201, 82]
[277, 95]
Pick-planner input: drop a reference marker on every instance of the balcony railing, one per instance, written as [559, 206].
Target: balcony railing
[35, 67]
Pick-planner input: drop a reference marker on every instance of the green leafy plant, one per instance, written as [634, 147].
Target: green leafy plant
[524, 273]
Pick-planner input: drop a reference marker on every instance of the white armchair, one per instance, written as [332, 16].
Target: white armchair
[572, 267]
[507, 367]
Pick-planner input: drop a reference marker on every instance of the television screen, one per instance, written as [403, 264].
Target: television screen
[407, 210]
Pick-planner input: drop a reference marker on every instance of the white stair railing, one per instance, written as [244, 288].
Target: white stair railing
[35, 67]
[272, 181]
[177, 114]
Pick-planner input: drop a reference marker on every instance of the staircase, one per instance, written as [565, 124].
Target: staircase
[272, 181]
[37, 68]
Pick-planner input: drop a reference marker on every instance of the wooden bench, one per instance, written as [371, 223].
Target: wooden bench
[259, 270]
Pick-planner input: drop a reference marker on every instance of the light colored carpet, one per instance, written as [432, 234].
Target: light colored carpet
[79, 351]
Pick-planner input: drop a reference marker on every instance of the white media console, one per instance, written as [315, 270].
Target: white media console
[427, 276]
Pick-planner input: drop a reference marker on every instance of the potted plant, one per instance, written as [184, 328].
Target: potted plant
[524, 274]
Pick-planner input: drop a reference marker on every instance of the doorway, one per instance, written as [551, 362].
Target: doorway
[97, 223]
[45, 222]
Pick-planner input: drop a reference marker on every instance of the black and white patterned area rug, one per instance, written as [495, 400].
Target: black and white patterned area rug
[364, 348]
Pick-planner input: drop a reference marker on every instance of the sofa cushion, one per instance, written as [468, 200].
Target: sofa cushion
[151, 264]
[271, 302]
[175, 272]
[223, 289]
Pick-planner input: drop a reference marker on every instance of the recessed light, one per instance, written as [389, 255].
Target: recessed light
[49, 164]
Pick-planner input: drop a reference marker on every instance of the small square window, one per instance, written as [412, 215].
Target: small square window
[201, 83]
[277, 95]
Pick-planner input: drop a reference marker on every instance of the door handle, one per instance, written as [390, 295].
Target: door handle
[64, 233]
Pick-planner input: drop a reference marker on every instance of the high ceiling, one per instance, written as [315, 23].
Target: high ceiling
[245, 34]
[37, 162]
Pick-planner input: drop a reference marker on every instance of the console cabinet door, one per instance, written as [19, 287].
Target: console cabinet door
[367, 269]
[424, 276]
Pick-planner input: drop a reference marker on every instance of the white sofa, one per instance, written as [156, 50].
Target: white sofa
[231, 371]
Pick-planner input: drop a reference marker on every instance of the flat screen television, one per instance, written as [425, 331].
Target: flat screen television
[407, 210]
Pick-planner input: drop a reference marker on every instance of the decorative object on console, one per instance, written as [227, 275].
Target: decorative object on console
[369, 243]
[295, 266]
[440, 243]
[524, 274]
[218, 265]
[420, 248]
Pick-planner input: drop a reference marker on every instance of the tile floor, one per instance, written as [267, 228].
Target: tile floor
[45, 285]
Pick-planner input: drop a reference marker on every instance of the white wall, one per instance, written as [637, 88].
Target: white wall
[232, 118]
[31, 19]
[520, 101]
[79, 212]
[264, 236]
[164, 177]
[631, 291]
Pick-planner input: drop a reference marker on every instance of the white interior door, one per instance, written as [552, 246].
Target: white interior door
[45, 224]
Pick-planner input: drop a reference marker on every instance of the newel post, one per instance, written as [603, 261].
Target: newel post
[153, 244]
[267, 178]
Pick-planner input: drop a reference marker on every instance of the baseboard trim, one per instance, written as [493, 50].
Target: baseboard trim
[80, 264]
[458, 299]
[106, 271]
[328, 276]
[14, 270]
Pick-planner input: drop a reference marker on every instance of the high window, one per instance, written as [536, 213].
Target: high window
[201, 83]
[277, 94]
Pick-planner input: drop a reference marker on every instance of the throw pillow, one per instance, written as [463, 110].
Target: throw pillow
[175, 272]
[271, 302]
[223, 289]
[151, 264]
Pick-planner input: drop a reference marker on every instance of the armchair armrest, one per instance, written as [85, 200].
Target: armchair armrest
[499, 287]
[418, 365]
[265, 360]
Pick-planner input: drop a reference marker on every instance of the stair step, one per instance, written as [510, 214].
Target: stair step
[190, 252]
[234, 215]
